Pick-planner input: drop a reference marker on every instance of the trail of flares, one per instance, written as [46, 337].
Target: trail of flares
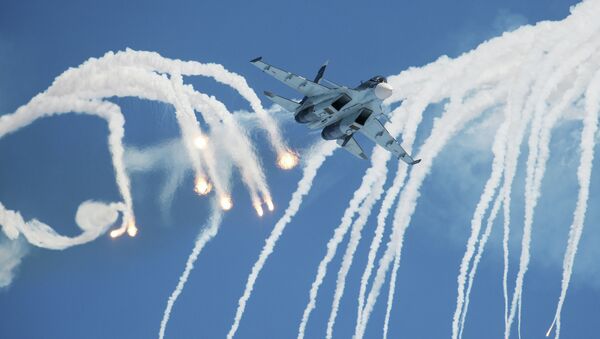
[480, 249]
[355, 234]
[458, 74]
[108, 74]
[387, 203]
[92, 217]
[443, 129]
[235, 140]
[499, 150]
[376, 173]
[562, 49]
[588, 143]
[206, 234]
[154, 62]
[316, 158]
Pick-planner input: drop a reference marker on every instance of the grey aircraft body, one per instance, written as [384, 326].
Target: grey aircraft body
[337, 110]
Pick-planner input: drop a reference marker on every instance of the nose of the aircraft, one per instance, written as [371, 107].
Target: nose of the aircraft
[383, 90]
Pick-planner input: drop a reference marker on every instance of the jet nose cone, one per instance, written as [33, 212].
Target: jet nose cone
[383, 90]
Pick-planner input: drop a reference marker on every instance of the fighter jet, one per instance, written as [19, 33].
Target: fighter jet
[338, 110]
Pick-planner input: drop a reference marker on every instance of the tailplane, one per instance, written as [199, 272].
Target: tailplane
[286, 103]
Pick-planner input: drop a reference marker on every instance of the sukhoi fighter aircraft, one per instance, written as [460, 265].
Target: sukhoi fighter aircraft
[338, 110]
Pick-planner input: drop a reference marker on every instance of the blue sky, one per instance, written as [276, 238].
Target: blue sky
[118, 288]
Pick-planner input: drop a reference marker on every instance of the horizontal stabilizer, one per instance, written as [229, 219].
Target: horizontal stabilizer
[349, 144]
[286, 103]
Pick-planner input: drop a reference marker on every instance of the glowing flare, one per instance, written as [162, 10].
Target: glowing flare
[117, 232]
[270, 206]
[132, 229]
[226, 203]
[259, 209]
[201, 142]
[202, 186]
[287, 160]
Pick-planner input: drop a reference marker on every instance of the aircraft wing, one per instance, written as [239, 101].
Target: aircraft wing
[301, 84]
[375, 131]
[349, 144]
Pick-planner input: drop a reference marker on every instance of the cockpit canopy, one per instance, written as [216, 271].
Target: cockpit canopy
[371, 83]
[378, 79]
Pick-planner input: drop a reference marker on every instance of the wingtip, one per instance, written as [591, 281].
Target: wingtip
[415, 162]
[256, 59]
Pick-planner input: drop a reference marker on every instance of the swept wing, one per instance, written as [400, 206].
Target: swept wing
[301, 84]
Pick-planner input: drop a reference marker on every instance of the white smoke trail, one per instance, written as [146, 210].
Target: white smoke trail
[588, 142]
[498, 149]
[443, 129]
[314, 162]
[11, 254]
[387, 203]
[108, 76]
[562, 48]
[191, 130]
[582, 79]
[374, 173]
[154, 62]
[234, 139]
[480, 249]
[456, 85]
[535, 167]
[93, 218]
[355, 235]
[204, 237]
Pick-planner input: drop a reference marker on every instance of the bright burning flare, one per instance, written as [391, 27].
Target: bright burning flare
[270, 206]
[201, 142]
[259, 209]
[117, 232]
[202, 186]
[226, 203]
[131, 228]
[287, 160]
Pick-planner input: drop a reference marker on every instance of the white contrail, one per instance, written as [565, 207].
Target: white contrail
[377, 170]
[110, 76]
[443, 129]
[499, 150]
[314, 162]
[234, 139]
[588, 142]
[153, 61]
[391, 291]
[386, 205]
[206, 234]
[535, 170]
[190, 130]
[542, 88]
[396, 265]
[455, 86]
[582, 79]
[355, 235]
[93, 218]
[480, 249]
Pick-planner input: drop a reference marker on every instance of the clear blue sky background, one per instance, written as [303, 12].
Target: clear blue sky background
[118, 288]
